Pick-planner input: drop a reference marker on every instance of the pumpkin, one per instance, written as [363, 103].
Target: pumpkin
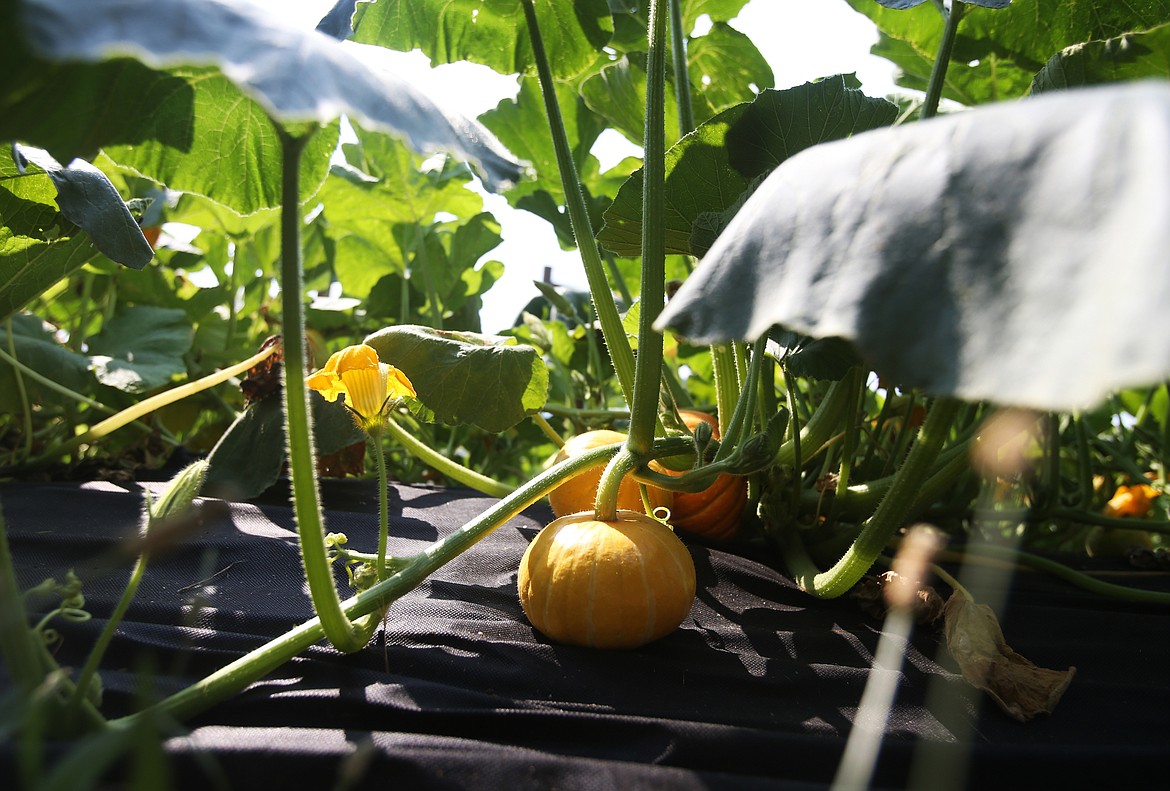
[579, 492]
[612, 584]
[716, 513]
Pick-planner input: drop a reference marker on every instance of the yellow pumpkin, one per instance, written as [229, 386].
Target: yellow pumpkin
[618, 584]
[579, 492]
[716, 513]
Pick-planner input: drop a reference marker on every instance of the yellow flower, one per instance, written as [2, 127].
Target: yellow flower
[367, 384]
[1131, 501]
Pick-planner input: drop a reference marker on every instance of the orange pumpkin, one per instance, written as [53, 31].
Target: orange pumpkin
[579, 492]
[716, 513]
[613, 584]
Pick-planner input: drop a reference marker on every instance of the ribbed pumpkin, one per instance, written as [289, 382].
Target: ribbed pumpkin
[579, 492]
[716, 513]
[618, 584]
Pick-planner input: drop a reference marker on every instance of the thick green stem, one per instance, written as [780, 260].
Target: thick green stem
[607, 313]
[821, 425]
[345, 635]
[621, 465]
[236, 676]
[644, 406]
[890, 514]
[453, 470]
[938, 72]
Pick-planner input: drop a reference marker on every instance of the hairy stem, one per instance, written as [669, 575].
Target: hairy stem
[344, 634]
[603, 303]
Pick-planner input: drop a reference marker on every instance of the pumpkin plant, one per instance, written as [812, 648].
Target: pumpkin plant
[957, 259]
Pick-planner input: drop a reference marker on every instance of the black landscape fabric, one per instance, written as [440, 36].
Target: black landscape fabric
[757, 689]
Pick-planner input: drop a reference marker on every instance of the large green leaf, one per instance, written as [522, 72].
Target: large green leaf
[141, 348]
[710, 168]
[1014, 253]
[463, 377]
[38, 246]
[522, 125]
[724, 67]
[1133, 56]
[294, 75]
[997, 51]
[491, 32]
[234, 156]
[35, 346]
[88, 200]
[383, 189]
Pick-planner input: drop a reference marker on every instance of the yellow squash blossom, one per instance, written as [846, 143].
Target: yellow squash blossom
[1131, 501]
[367, 384]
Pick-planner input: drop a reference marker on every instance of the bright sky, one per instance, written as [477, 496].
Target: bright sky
[801, 41]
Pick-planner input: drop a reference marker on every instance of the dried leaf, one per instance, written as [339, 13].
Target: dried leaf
[263, 378]
[350, 460]
[1020, 688]
[870, 596]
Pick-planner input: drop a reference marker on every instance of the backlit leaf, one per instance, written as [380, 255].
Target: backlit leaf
[1015, 253]
[466, 377]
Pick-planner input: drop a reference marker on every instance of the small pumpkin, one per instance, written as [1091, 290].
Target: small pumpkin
[579, 492]
[606, 584]
[716, 513]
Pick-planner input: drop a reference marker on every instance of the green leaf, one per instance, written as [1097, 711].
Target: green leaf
[368, 204]
[724, 65]
[88, 200]
[234, 154]
[998, 51]
[295, 75]
[141, 348]
[522, 125]
[709, 169]
[490, 32]
[1134, 56]
[464, 377]
[36, 347]
[38, 246]
[1014, 253]
[814, 358]
[250, 456]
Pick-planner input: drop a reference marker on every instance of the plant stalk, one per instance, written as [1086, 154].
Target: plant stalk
[890, 513]
[451, 469]
[345, 635]
[603, 303]
[938, 72]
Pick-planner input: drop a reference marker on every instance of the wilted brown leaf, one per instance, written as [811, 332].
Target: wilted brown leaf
[350, 460]
[1020, 688]
[264, 378]
[870, 595]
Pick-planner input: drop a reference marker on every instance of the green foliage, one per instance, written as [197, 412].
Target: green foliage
[492, 382]
[711, 168]
[998, 51]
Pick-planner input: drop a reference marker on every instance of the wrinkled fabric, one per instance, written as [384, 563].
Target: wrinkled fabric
[757, 689]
